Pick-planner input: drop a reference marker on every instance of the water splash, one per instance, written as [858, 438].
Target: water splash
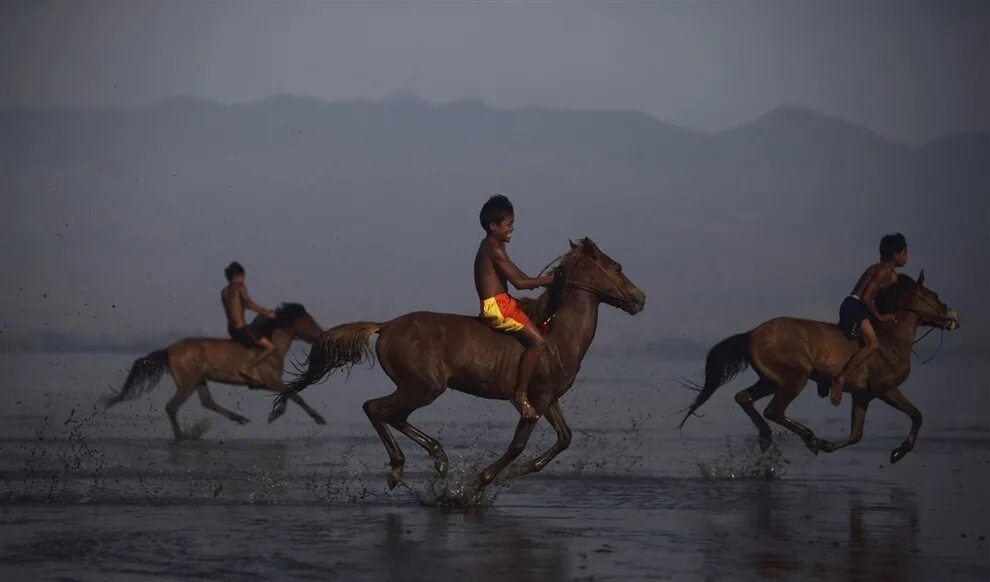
[747, 462]
[459, 489]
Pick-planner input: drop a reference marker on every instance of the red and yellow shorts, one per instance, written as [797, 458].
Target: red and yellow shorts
[502, 313]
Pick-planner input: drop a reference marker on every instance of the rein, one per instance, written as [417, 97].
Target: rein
[941, 336]
[624, 298]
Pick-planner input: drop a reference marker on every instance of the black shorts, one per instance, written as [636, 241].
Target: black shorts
[852, 314]
[246, 336]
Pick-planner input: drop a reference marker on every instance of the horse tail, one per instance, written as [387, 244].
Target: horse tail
[145, 373]
[340, 347]
[729, 357]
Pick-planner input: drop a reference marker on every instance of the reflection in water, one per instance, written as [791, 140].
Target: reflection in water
[477, 545]
[832, 530]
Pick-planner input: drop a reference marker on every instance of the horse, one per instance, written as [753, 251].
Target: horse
[786, 352]
[424, 353]
[193, 361]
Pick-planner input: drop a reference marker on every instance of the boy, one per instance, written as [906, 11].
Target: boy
[855, 312]
[235, 298]
[492, 268]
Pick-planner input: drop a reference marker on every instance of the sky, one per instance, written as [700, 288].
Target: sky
[121, 223]
[910, 70]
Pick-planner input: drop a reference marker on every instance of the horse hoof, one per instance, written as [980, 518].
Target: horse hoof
[277, 411]
[394, 477]
[825, 446]
[242, 420]
[320, 419]
[441, 465]
[765, 443]
[813, 444]
[898, 454]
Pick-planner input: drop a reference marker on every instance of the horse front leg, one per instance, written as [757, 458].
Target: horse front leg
[206, 399]
[861, 401]
[523, 431]
[555, 417]
[898, 400]
[316, 416]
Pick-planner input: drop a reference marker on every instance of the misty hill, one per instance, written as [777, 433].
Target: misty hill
[366, 209]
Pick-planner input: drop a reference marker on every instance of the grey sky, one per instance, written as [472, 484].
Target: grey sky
[907, 69]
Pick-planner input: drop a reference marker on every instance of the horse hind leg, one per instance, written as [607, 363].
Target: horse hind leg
[775, 411]
[747, 398]
[182, 392]
[409, 401]
[206, 399]
[378, 410]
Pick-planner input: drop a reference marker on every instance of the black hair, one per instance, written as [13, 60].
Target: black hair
[890, 245]
[232, 270]
[495, 210]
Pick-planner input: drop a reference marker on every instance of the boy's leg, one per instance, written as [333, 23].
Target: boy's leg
[250, 369]
[870, 346]
[535, 345]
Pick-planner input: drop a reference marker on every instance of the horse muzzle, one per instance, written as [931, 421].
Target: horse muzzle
[637, 301]
[952, 320]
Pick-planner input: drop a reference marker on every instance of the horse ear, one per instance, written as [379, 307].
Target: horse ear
[573, 244]
[921, 277]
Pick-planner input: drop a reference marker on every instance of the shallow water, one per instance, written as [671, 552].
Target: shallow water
[91, 495]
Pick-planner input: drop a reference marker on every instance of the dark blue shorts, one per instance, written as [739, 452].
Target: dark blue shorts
[852, 313]
[247, 336]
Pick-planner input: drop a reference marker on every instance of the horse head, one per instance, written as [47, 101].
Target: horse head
[908, 295]
[294, 318]
[586, 267]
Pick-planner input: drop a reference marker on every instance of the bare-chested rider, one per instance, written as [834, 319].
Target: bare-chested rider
[856, 309]
[492, 268]
[235, 299]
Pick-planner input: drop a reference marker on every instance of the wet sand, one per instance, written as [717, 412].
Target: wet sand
[92, 496]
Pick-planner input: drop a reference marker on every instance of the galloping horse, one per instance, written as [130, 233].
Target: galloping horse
[425, 353]
[193, 361]
[786, 352]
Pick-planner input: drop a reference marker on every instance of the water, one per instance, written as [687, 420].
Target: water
[100, 496]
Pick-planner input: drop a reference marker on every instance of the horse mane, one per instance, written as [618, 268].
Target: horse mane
[285, 315]
[546, 305]
[890, 299]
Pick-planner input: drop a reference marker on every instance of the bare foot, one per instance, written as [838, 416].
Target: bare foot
[525, 408]
[836, 396]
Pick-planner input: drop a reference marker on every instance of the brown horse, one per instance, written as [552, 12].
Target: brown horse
[787, 352]
[425, 353]
[192, 361]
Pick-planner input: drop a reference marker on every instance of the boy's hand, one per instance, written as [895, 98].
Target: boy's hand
[887, 318]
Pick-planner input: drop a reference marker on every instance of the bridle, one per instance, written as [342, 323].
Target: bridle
[945, 324]
[622, 298]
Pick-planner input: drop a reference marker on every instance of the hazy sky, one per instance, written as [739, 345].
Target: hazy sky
[907, 69]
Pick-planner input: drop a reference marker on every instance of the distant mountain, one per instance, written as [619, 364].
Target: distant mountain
[365, 209]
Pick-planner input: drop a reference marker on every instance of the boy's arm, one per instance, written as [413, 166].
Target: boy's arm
[510, 271]
[250, 304]
[877, 284]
